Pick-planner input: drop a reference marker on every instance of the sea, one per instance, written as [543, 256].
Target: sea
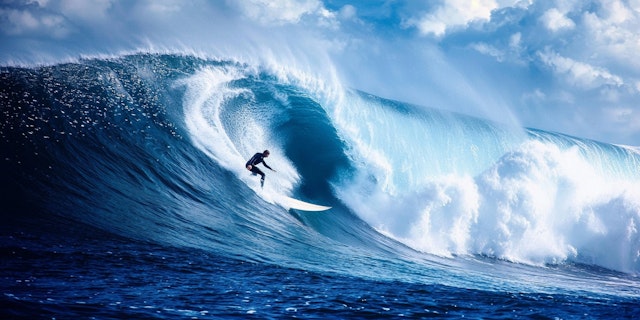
[125, 196]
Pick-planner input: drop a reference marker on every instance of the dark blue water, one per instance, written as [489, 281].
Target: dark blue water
[87, 273]
[125, 197]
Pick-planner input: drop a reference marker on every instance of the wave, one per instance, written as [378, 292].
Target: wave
[153, 147]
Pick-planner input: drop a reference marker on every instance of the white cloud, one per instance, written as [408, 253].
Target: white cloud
[41, 3]
[164, 7]
[18, 22]
[348, 12]
[615, 35]
[615, 11]
[536, 96]
[456, 14]
[554, 20]
[510, 53]
[579, 73]
[284, 11]
[489, 50]
[515, 40]
[85, 10]
[55, 19]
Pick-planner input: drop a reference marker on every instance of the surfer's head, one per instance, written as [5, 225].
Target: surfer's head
[265, 153]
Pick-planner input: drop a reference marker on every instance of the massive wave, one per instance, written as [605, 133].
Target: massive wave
[153, 147]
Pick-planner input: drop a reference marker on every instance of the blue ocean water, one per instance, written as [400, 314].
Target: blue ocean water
[126, 197]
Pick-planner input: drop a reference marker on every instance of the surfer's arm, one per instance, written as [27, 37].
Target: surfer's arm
[266, 165]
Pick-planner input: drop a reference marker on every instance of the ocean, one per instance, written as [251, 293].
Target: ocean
[125, 196]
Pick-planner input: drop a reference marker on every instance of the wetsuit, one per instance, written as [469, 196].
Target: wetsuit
[254, 161]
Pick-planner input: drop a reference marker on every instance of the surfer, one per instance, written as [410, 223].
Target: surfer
[256, 160]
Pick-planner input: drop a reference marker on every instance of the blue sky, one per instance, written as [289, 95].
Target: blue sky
[563, 65]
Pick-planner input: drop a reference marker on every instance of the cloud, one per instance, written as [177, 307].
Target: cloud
[19, 21]
[578, 73]
[510, 52]
[163, 7]
[456, 14]
[84, 10]
[554, 20]
[348, 12]
[489, 50]
[283, 12]
[614, 33]
[616, 11]
[515, 41]
[56, 19]
[536, 96]
[23, 22]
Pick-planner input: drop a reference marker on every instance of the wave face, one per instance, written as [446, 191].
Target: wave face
[152, 147]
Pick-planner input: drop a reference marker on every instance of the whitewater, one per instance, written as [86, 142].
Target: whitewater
[126, 196]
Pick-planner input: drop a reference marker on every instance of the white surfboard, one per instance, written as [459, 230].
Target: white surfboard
[282, 200]
[292, 203]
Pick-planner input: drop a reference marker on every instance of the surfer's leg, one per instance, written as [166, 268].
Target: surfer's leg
[258, 171]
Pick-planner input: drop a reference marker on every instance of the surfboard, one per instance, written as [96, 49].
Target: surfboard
[285, 201]
[301, 205]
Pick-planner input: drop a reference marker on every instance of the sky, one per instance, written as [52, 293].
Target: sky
[569, 66]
